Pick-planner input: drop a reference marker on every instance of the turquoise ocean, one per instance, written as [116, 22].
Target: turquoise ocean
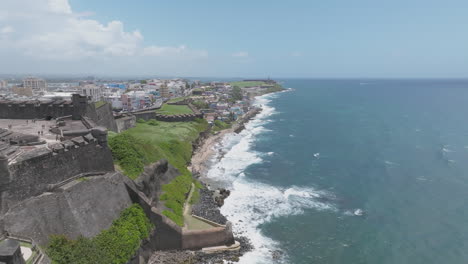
[352, 171]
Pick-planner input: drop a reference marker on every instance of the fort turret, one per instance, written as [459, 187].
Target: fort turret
[80, 103]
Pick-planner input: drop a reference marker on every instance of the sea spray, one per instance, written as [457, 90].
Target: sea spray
[253, 203]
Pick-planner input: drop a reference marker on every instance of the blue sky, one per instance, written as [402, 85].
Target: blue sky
[293, 38]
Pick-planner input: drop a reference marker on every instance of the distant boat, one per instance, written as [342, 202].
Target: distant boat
[317, 155]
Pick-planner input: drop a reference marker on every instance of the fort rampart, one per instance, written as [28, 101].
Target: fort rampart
[31, 173]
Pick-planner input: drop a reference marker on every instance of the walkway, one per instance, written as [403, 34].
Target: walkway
[192, 223]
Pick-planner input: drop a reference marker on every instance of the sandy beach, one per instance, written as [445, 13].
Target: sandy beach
[202, 155]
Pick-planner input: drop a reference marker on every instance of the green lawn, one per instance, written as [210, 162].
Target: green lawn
[178, 99]
[247, 84]
[167, 109]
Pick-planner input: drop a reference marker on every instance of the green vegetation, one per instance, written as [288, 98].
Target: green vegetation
[201, 104]
[99, 104]
[220, 125]
[236, 93]
[178, 99]
[153, 122]
[243, 84]
[275, 88]
[143, 82]
[167, 109]
[115, 245]
[147, 143]
[174, 196]
[129, 153]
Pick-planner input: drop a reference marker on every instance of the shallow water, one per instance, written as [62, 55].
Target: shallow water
[395, 149]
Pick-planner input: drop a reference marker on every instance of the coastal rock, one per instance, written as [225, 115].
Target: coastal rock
[208, 208]
[221, 195]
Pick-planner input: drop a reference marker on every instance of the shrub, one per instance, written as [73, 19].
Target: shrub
[128, 155]
[115, 245]
[141, 121]
[174, 195]
[153, 122]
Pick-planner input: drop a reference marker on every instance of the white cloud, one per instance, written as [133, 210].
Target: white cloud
[240, 54]
[7, 29]
[50, 30]
[60, 6]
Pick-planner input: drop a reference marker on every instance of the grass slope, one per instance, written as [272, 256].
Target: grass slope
[151, 141]
[243, 84]
[167, 109]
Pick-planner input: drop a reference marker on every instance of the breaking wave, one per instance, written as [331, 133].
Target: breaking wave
[254, 203]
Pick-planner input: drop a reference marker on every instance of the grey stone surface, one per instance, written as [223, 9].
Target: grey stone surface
[10, 252]
[82, 207]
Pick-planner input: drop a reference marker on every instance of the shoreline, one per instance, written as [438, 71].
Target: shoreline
[210, 204]
[200, 162]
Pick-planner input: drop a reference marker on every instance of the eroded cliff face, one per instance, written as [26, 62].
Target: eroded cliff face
[150, 182]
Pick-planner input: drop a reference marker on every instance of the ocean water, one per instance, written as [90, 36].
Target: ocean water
[395, 149]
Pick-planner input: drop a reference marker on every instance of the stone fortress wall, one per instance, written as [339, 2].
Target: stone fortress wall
[70, 187]
[43, 109]
[36, 171]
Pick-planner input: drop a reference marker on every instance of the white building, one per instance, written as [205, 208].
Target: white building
[3, 84]
[36, 84]
[93, 91]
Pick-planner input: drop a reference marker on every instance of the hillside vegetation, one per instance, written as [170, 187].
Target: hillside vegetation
[115, 245]
[151, 141]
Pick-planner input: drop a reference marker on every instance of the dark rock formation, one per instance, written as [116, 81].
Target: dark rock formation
[208, 208]
[154, 176]
[221, 195]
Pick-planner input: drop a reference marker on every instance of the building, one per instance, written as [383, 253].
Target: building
[164, 91]
[22, 91]
[3, 84]
[93, 91]
[35, 84]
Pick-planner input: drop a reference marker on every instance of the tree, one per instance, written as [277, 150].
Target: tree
[236, 93]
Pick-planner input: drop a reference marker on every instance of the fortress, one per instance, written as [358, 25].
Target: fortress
[57, 177]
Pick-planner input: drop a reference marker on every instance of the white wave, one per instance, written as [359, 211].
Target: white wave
[253, 203]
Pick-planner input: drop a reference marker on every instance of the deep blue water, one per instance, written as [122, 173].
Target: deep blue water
[398, 150]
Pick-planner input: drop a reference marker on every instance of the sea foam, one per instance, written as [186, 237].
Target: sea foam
[253, 203]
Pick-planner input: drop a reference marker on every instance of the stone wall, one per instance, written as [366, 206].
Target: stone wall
[102, 116]
[35, 171]
[35, 109]
[148, 115]
[80, 208]
[125, 122]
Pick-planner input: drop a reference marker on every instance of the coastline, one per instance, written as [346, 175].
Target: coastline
[212, 199]
[200, 162]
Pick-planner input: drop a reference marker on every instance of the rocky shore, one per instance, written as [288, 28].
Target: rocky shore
[208, 207]
[199, 257]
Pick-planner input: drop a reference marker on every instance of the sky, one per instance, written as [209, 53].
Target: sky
[242, 38]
